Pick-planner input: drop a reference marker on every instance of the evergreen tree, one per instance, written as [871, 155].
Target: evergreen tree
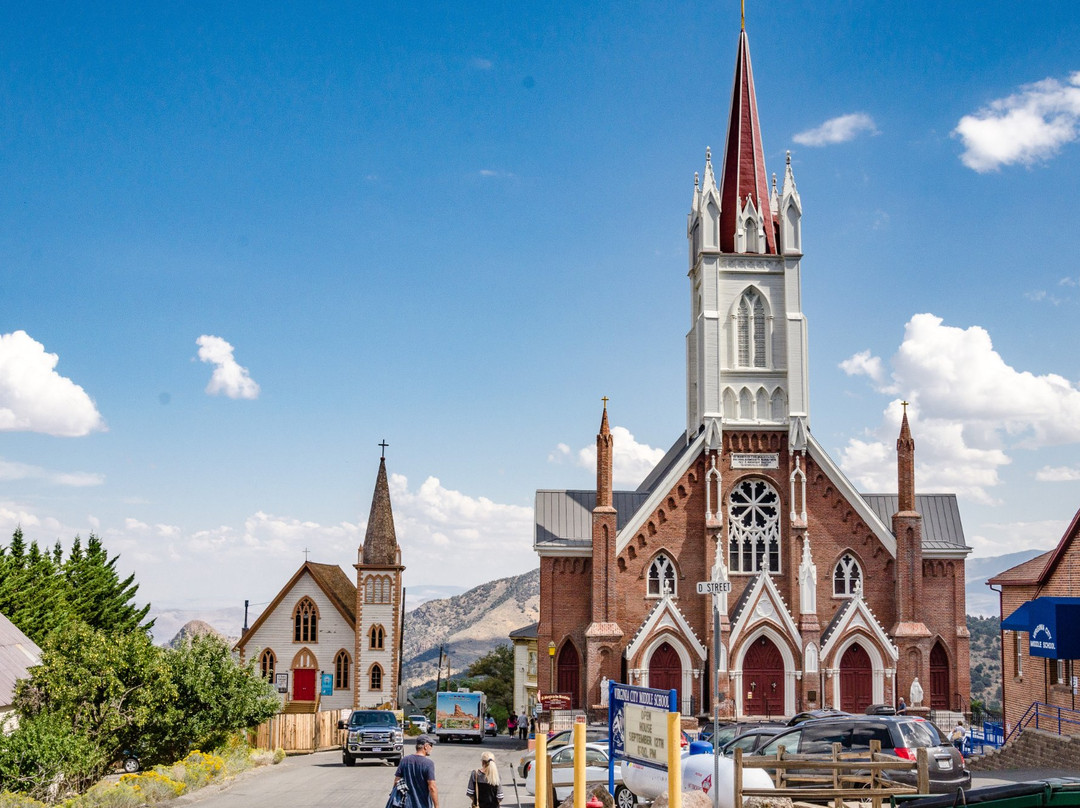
[99, 597]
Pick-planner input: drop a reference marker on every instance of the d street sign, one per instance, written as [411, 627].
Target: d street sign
[713, 587]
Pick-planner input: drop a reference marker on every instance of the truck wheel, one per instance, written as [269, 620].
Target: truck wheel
[348, 759]
[624, 797]
[395, 761]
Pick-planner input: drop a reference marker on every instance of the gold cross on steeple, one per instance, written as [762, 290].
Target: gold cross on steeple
[744, 15]
[605, 400]
[904, 405]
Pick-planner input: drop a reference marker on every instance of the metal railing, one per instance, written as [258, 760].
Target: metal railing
[1049, 718]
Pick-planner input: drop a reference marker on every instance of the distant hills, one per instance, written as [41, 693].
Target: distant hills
[981, 599]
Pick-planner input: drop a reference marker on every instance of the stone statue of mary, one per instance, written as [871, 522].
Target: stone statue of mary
[916, 693]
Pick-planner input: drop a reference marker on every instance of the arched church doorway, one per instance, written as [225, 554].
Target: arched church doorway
[569, 674]
[939, 677]
[763, 679]
[856, 680]
[665, 670]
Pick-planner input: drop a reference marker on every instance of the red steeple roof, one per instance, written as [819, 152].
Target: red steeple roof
[744, 160]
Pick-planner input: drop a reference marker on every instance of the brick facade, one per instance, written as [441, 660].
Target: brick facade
[834, 601]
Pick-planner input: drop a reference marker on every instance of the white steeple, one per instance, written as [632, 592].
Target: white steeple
[746, 351]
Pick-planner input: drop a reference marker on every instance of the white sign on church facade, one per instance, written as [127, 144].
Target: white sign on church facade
[755, 461]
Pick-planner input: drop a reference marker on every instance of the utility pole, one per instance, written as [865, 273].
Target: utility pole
[438, 676]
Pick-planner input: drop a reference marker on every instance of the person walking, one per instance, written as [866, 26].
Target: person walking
[511, 725]
[484, 789]
[523, 727]
[958, 735]
[901, 706]
[418, 772]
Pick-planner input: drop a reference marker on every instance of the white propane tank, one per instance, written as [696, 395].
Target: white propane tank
[697, 775]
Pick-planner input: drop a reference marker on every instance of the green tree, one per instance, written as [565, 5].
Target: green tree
[493, 673]
[99, 597]
[105, 687]
[215, 696]
[44, 758]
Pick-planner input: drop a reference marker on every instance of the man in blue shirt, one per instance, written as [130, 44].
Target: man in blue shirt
[418, 772]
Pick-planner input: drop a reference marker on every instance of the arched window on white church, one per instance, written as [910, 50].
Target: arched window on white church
[751, 235]
[846, 575]
[754, 527]
[661, 577]
[752, 328]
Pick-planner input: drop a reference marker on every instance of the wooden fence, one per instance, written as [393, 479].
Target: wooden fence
[299, 733]
[846, 776]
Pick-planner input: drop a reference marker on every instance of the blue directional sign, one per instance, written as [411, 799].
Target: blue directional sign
[637, 721]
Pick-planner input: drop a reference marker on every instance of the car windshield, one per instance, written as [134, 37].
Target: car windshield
[919, 734]
[373, 719]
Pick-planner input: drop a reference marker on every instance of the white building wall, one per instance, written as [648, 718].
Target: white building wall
[375, 614]
[276, 633]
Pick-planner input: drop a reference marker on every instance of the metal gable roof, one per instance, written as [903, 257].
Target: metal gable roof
[942, 529]
[565, 517]
[18, 653]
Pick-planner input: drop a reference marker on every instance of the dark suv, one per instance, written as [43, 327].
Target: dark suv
[899, 735]
[371, 734]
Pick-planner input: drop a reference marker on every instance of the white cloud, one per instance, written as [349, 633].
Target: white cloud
[35, 398]
[228, 377]
[863, 364]
[22, 471]
[1013, 537]
[837, 130]
[970, 410]
[1026, 127]
[631, 461]
[1057, 474]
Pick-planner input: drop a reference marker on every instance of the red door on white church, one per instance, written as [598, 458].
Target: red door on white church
[665, 670]
[856, 680]
[763, 679]
[304, 684]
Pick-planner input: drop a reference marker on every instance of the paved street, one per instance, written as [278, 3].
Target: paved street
[321, 781]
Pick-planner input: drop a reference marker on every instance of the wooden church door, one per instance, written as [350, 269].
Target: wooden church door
[939, 678]
[856, 680]
[763, 679]
[569, 675]
[304, 684]
[665, 670]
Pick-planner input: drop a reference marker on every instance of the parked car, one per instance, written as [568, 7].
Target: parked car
[560, 739]
[899, 735]
[596, 771]
[420, 722]
[731, 730]
[372, 734]
[807, 715]
[490, 727]
[752, 740]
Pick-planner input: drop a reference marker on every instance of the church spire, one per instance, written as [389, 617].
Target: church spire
[380, 541]
[905, 466]
[603, 461]
[746, 218]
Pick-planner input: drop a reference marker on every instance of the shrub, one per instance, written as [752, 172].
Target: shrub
[9, 800]
[279, 755]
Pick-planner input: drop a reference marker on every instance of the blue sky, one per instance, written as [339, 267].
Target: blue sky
[242, 245]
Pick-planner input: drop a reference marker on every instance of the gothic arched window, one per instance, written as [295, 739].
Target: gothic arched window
[754, 527]
[377, 638]
[377, 589]
[267, 664]
[375, 677]
[342, 663]
[846, 575]
[305, 622]
[752, 331]
[662, 577]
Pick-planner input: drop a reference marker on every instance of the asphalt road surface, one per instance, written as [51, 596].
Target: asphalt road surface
[322, 781]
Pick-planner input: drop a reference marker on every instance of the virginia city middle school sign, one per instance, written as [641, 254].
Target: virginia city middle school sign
[637, 721]
[1051, 626]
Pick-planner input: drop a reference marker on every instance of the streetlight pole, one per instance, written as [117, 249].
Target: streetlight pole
[551, 667]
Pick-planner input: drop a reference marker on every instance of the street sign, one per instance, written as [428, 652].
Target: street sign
[713, 587]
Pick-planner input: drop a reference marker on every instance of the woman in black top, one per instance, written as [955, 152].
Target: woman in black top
[484, 789]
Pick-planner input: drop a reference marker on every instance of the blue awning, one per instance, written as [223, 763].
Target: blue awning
[1053, 626]
[1018, 620]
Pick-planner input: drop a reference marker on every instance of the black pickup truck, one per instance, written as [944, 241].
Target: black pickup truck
[372, 734]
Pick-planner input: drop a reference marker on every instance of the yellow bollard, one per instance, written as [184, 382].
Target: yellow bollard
[674, 760]
[579, 766]
[541, 766]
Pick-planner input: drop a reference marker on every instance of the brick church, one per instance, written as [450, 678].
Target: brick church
[836, 598]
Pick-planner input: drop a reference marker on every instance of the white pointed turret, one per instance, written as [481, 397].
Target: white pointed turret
[790, 213]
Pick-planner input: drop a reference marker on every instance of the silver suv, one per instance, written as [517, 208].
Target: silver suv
[372, 734]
